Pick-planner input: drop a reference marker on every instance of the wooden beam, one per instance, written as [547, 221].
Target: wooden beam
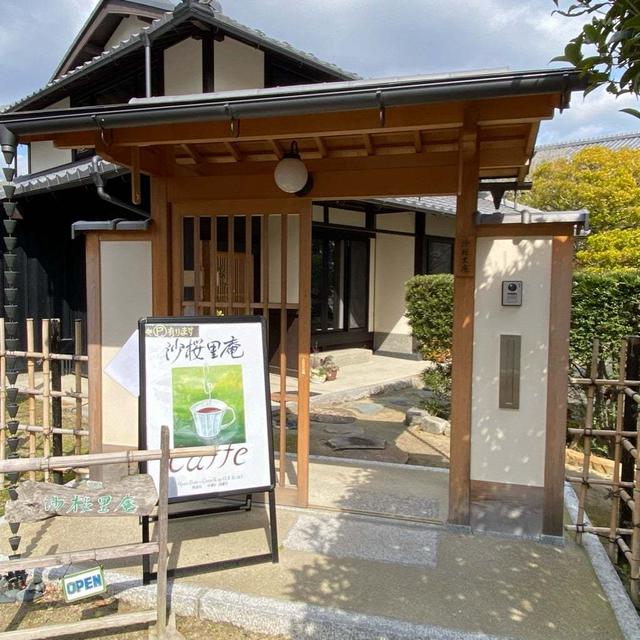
[150, 161]
[277, 149]
[502, 111]
[417, 141]
[160, 247]
[557, 380]
[463, 312]
[192, 152]
[136, 192]
[233, 151]
[368, 144]
[322, 148]
[94, 341]
[328, 185]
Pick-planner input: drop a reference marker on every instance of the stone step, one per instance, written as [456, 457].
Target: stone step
[347, 357]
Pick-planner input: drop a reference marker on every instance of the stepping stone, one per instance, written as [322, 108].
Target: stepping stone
[356, 442]
[333, 418]
[344, 429]
[415, 415]
[368, 408]
[400, 401]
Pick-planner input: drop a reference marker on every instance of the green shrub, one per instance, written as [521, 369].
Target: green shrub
[605, 305]
[438, 379]
[430, 313]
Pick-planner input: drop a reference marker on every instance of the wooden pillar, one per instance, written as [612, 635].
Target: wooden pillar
[463, 311]
[557, 381]
[161, 248]
[304, 343]
[94, 341]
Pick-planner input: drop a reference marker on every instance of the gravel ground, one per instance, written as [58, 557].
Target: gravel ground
[51, 609]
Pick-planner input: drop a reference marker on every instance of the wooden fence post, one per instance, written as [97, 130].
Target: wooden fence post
[629, 421]
[163, 534]
[56, 385]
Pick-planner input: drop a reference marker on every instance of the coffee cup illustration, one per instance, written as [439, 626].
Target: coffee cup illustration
[210, 418]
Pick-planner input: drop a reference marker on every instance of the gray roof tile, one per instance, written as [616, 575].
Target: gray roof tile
[547, 152]
[218, 19]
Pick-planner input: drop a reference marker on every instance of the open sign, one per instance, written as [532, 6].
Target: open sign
[84, 584]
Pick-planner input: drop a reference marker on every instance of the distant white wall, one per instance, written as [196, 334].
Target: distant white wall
[444, 226]
[293, 258]
[393, 267]
[43, 155]
[127, 27]
[396, 221]
[183, 68]
[237, 66]
[508, 445]
[347, 217]
[125, 285]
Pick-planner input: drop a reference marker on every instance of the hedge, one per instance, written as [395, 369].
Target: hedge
[605, 305]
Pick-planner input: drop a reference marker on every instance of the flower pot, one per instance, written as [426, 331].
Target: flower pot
[332, 375]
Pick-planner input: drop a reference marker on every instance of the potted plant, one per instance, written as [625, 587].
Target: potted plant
[330, 367]
[318, 374]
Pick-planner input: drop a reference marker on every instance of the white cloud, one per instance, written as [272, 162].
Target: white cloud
[375, 38]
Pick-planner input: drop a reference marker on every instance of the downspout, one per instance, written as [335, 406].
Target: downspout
[147, 64]
[81, 226]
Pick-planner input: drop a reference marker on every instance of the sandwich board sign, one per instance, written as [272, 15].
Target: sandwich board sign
[206, 378]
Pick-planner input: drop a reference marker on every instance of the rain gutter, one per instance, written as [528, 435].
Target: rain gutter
[291, 101]
[117, 224]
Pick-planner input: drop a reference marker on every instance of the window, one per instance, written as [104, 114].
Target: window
[438, 255]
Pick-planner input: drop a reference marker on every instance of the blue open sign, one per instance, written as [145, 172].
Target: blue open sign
[84, 584]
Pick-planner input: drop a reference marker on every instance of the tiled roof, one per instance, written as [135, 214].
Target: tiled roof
[166, 22]
[547, 152]
[73, 175]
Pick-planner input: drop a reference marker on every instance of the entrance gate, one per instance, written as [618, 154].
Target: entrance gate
[256, 264]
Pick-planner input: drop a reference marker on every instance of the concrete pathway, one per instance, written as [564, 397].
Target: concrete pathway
[344, 574]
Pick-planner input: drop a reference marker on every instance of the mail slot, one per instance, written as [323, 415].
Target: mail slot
[509, 397]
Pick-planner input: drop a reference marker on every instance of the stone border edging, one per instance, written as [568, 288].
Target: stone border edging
[358, 393]
[623, 608]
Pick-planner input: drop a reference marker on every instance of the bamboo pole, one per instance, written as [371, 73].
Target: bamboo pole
[586, 461]
[617, 459]
[30, 428]
[96, 459]
[596, 530]
[600, 481]
[39, 355]
[31, 382]
[634, 574]
[603, 433]
[77, 371]
[604, 382]
[46, 394]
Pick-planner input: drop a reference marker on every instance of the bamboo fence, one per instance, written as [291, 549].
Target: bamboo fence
[622, 533]
[41, 423]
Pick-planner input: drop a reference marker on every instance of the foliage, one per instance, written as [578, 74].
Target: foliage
[430, 313]
[605, 182]
[610, 41]
[438, 379]
[605, 306]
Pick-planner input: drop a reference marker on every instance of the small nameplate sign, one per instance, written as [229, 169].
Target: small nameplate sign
[83, 584]
[133, 496]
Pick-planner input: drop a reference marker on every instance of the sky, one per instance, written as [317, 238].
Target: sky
[373, 38]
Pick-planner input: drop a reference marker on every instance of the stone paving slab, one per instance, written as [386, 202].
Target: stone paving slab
[364, 538]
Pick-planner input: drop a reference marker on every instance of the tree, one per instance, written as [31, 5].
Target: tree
[605, 182]
[611, 42]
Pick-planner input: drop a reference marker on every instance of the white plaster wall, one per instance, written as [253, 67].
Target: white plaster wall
[183, 68]
[125, 284]
[393, 267]
[318, 213]
[43, 155]
[348, 218]
[508, 445]
[127, 27]
[396, 222]
[293, 258]
[237, 66]
[444, 226]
